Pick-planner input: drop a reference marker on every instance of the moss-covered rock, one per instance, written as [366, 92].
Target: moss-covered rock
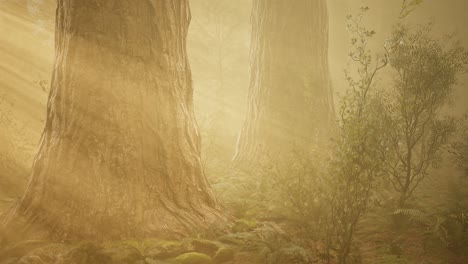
[123, 254]
[168, 249]
[193, 258]
[237, 239]
[243, 225]
[21, 249]
[205, 246]
[85, 253]
[249, 257]
[156, 261]
[224, 254]
[47, 254]
[31, 259]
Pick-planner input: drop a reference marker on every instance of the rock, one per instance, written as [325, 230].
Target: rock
[85, 253]
[194, 258]
[249, 258]
[224, 254]
[122, 254]
[31, 259]
[243, 225]
[35, 252]
[168, 249]
[155, 261]
[237, 239]
[21, 249]
[205, 246]
[50, 253]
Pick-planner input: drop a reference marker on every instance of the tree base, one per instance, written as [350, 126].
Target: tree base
[20, 225]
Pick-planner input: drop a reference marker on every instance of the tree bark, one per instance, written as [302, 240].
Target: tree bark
[120, 153]
[290, 99]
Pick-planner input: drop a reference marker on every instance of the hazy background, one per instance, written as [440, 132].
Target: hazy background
[219, 54]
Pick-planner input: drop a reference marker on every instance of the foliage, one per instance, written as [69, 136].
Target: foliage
[321, 195]
[448, 226]
[408, 6]
[295, 190]
[413, 213]
[456, 214]
[425, 74]
[239, 195]
[289, 188]
[459, 147]
[357, 161]
[277, 247]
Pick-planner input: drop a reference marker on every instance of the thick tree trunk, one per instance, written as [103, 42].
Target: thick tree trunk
[120, 153]
[290, 99]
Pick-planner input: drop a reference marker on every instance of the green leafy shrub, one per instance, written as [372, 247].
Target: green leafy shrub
[295, 191]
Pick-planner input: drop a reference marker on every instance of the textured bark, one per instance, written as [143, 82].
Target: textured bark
[290, 99]
[120, 152]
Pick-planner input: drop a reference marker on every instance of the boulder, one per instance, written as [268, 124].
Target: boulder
[237, 239]
[31, 259]
[244, 225]
[155, 261]
[168, 249]
[122, 254]
[21, 249]
[50, 253]
[85, 253]
[194, 258]
[224, 254]
[205, 246]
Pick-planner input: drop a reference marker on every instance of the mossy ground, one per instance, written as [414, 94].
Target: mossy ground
[255, 244]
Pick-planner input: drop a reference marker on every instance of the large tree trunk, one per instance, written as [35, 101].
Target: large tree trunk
[120, 153]
[290, 99]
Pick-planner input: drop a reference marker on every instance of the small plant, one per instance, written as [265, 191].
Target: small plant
[295, 191]
[425, 72]
[278, 248]
[357, 161]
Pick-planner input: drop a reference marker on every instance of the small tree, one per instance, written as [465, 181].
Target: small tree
[357, 161]
[426, 71]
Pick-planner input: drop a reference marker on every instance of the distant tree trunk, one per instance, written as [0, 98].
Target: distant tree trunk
[290, 99]
[120, 152]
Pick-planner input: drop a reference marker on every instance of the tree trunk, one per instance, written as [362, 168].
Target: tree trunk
[120, 153]
[290, 98]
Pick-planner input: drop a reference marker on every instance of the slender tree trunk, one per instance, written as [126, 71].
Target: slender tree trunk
[290, 98]
[120, 153]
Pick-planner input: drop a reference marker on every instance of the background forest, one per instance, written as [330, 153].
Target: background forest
[375, 172]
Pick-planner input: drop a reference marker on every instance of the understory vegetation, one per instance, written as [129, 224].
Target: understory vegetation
[389, 190]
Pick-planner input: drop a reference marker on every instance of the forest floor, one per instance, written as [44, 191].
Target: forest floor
[250, 242]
